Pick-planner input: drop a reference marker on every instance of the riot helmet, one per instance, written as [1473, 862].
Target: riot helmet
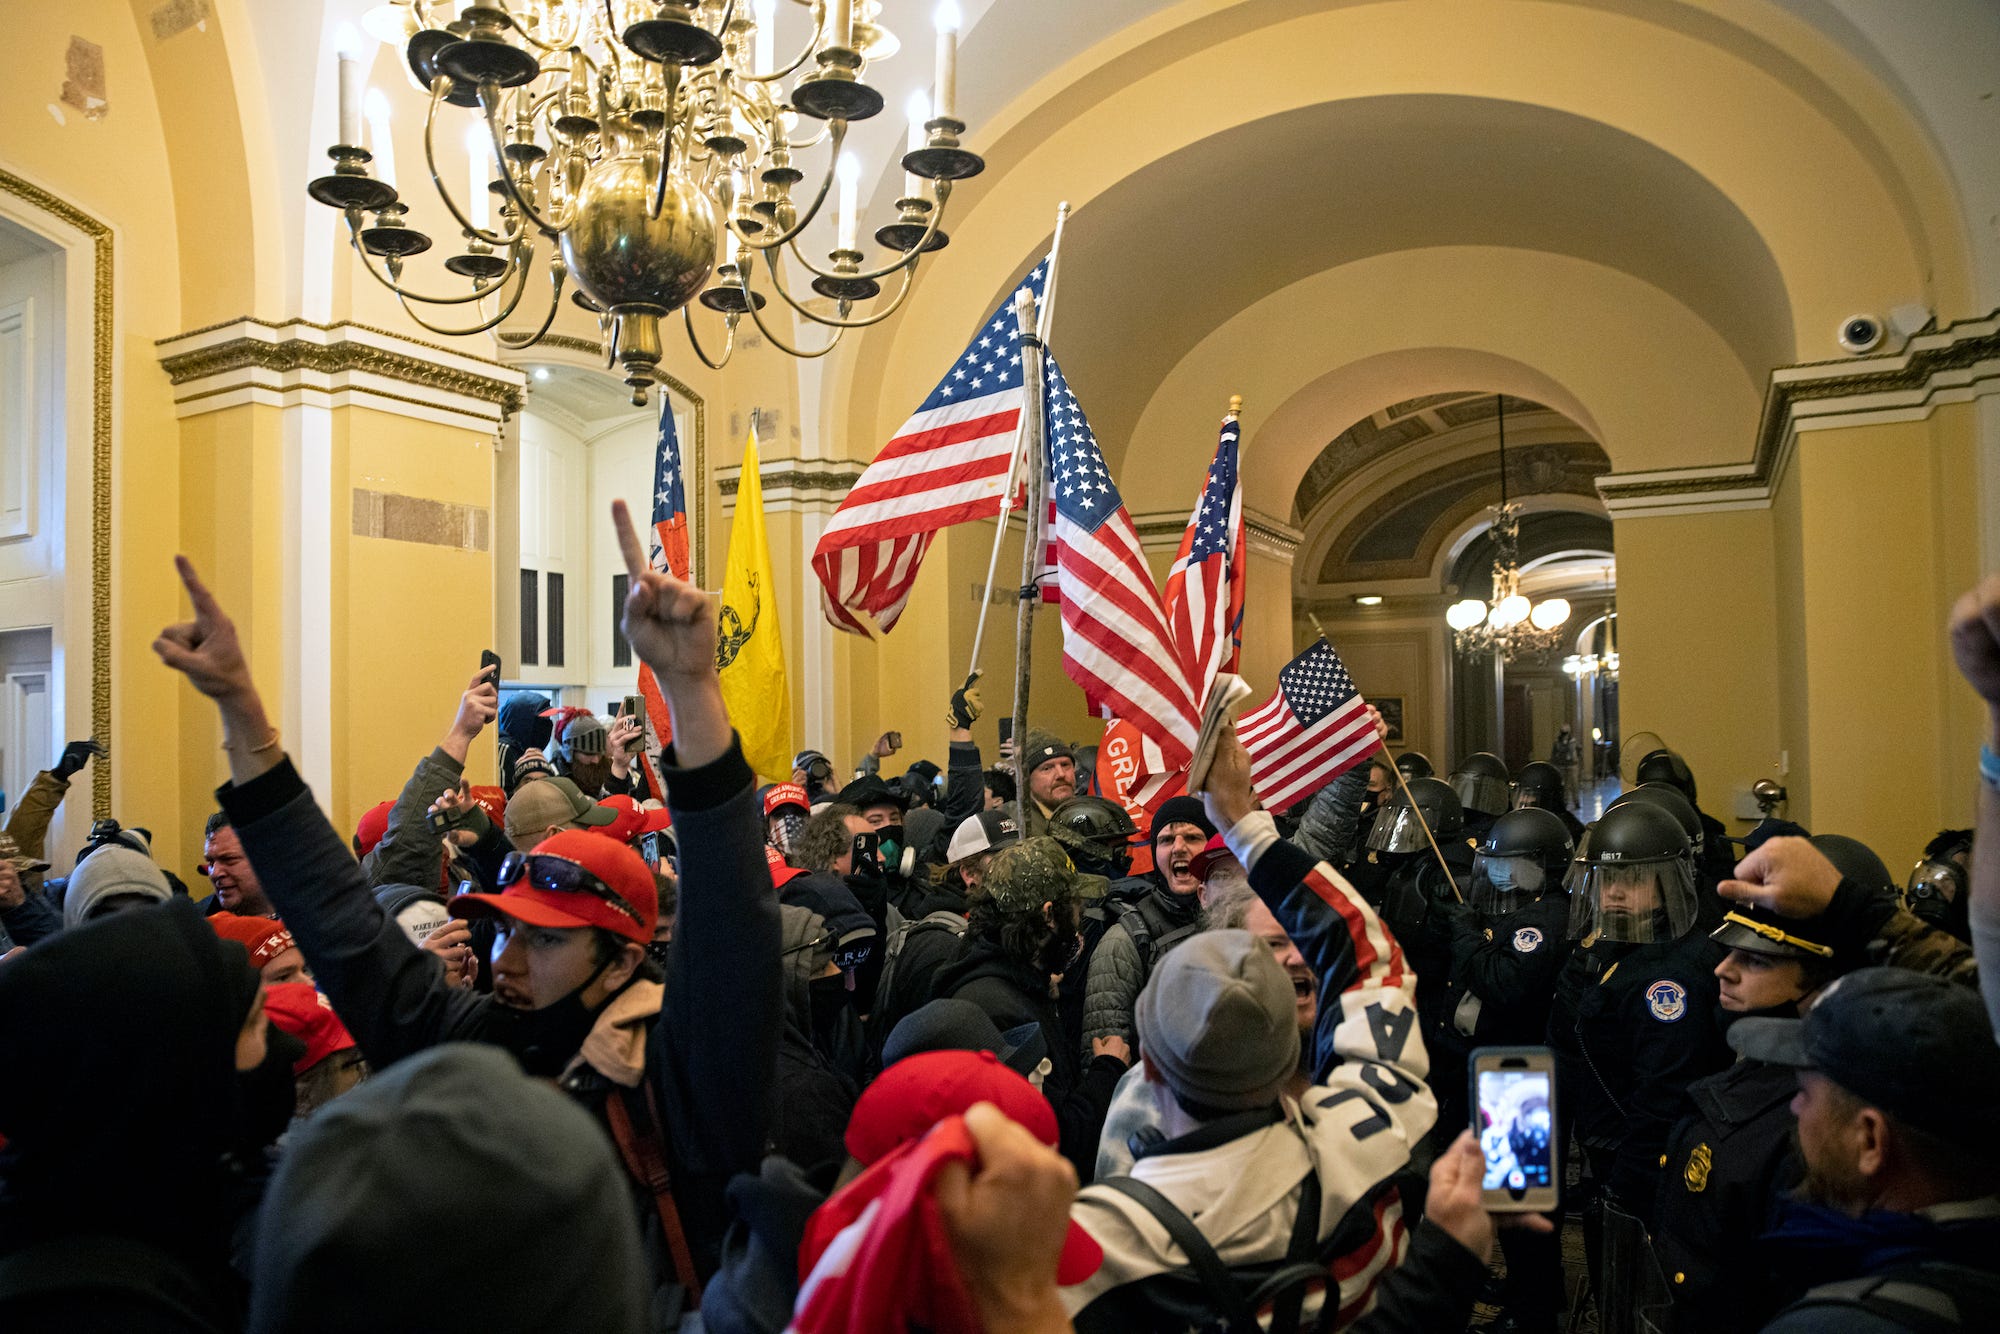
[1415, 764]
[1525, 854]
[1399, 827]
[1481, 783]
[1637, 881]
[1096, 832]
[1855, 861]
[1664, 766]
[1540, 784]
[1673, 802]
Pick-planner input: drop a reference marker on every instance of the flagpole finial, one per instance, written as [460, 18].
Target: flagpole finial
[1235, 405]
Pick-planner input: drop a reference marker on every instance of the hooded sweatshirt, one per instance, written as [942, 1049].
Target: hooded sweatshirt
[121, 1106]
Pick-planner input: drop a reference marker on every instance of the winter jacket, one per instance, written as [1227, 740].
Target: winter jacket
[1117, 969]
[410, 852]
[964, 785]
[1827, 1252]
[1330, 830]
[814, 1099]
[1013, 993]
[1354, 1129]
[710, 1056]
[28, 826]
[36, 918]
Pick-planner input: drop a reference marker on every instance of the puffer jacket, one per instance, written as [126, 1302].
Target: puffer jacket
[1118, 971]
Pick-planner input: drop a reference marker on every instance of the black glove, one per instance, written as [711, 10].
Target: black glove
[74, 756]
[965, 703]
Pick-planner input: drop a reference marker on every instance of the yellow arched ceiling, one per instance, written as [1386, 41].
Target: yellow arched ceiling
[1713, 189]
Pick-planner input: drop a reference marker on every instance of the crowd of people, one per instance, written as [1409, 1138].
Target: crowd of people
[925, 1051]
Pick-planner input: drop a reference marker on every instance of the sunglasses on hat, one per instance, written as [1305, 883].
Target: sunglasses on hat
[557, 876]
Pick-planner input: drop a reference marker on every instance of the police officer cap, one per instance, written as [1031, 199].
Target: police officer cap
[1757, 930]
[1916, 1046]
[1415, 764]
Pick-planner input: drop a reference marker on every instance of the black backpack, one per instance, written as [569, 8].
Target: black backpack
[1237, 1296]
[1934, 1297]
[1131, 906]
[889, 1006]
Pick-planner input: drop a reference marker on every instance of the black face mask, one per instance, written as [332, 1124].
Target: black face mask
[657, 951]
[266, 1096]
[545, 1040]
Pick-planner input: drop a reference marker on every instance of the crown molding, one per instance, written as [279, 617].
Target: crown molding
[1952, 365]
[817, 485]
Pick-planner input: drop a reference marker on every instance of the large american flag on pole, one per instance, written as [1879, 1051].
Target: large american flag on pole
[669, 553]
[1116, 644]
[947, 464]
[1314, 728]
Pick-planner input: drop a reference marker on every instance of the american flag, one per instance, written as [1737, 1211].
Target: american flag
[1205, 587]
[1116, 645]
[1313, 729]
[947, 464]
[669, 553]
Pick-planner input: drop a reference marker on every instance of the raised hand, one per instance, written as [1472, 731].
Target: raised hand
[478, 706]
[75, 755]
[1975, 641]
[670, 624]
[1007, 1223]
[966, 706]
[1228, 796]
[205, 650]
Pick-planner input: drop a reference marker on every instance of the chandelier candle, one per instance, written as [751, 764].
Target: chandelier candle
[947, 59]
[348, 48]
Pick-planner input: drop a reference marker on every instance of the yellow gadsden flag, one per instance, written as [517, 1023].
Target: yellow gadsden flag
[749, 649]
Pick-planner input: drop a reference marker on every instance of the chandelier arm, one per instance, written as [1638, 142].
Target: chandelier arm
[728, 343]
[520, 290]
[558, 278]
[895, 303]
[529, 214]
[368, 263]
[812, 44]
[826, 183]
[908, 261]
[533, 40]
[494, 239]
[768, 332]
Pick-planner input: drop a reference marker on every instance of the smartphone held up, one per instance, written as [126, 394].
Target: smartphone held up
[1513, 1098]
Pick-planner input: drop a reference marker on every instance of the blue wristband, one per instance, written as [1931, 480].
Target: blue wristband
[1989, 767]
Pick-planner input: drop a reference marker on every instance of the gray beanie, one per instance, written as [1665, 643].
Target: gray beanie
[109, 872]
[1219, 1020]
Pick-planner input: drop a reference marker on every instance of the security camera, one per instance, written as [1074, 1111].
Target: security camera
[1860, 334]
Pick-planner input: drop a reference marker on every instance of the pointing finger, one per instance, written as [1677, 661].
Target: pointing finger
[198, 594]
[628, 542]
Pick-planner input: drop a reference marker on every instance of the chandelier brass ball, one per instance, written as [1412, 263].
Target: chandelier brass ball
[624, 259]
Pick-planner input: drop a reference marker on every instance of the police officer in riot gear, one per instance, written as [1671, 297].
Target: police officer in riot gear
[1400, 875]
[1508, 944]
[1415, 764]
[1540, 784]
[1670, 800]
[1483, 790]
[1633, 1023]
[1718, 858]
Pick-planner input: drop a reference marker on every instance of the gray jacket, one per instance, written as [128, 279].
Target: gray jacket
[1331, 826]
[1117, 974]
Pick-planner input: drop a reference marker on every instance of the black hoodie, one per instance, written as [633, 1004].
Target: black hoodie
[121, 1105]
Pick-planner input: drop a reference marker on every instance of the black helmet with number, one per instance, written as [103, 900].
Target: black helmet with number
[1482, 784]
[1665, 766]
[1524, 854]
[1397, 826]
[1415, 764]
[1673, 802]
[1635, 880]
[1540, 784]
[1096, 832]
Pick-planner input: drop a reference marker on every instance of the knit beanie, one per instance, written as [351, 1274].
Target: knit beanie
[1218, 1020]
[1183, 810]
[1043, 747]
[110, 872]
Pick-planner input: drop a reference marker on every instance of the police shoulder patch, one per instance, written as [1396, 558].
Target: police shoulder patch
[1667, 1000]
[1527, 939]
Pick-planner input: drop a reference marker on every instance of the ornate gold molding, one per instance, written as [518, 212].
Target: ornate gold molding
[102, 344]
[338, 355]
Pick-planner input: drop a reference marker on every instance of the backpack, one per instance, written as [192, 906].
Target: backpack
[889, 1007]
[1131, 904]
[1237, 1296]
[1934, 1297]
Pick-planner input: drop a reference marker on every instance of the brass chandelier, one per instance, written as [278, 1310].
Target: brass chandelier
[1507, 625]
[655, 146]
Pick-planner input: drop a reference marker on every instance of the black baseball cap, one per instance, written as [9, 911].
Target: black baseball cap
[1916, 1046]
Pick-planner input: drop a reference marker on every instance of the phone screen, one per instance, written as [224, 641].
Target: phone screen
[1516, 1130]
[1006, 728]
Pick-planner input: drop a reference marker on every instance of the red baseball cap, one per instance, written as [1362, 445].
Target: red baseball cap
[917, 1092]
[782, 871]
[265, 937]
[537, 897]
[630, 822]
[1204, 861]
[785, 794]
[297, 1009]
[492, 800]
[374, 827]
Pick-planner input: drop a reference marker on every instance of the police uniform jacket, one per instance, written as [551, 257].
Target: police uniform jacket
[1633, 1026]
[1503, 975]
[1725, 1165]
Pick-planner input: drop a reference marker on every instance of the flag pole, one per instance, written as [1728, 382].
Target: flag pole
[1402, 783]
[1020, 435]
[1032, 391]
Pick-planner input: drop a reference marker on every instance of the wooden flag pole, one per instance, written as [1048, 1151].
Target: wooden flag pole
[1402, 783]
[1033, 422]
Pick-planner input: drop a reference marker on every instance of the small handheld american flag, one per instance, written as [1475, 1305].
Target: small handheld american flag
[670, 554]
[1314, 728]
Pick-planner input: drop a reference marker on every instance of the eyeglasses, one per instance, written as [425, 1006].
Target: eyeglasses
[1772, 933]
[557, 876]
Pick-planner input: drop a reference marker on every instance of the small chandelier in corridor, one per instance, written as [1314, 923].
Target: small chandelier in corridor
[1507, 625]
[656, 146]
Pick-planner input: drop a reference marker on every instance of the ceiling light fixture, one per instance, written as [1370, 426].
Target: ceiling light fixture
[1507, 625]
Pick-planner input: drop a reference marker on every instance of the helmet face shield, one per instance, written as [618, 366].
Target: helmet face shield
[1397, 828]
[1482, 792]
[1503, 883]
[1635, 901]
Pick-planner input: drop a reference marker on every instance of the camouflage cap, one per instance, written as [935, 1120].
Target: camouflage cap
[10, 851]
[1023, 876]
